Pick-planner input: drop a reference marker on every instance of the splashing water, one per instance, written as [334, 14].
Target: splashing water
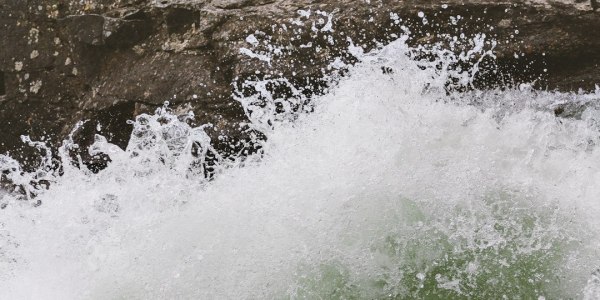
[391, 188]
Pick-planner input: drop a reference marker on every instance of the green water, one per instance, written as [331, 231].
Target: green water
[501, 248]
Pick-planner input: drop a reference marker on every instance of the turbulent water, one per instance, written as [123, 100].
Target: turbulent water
[391, 188]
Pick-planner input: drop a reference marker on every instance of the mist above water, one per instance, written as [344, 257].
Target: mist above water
[392, 188]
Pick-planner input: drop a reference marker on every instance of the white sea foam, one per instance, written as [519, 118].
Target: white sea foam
[391, 188]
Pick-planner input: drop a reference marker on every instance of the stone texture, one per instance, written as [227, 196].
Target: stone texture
[107, 61]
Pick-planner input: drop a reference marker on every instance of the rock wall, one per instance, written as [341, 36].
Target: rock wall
[106, 61]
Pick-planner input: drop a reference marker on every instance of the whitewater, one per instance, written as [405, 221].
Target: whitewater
[392, 187]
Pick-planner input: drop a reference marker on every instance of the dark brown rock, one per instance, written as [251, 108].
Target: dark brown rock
[107, 61]
[236, 4]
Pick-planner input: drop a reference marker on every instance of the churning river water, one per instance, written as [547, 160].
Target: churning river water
[391, 188]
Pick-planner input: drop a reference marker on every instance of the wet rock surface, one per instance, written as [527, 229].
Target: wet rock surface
[108, 61]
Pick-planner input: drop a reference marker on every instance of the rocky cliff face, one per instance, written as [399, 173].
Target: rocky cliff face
[107, 61]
